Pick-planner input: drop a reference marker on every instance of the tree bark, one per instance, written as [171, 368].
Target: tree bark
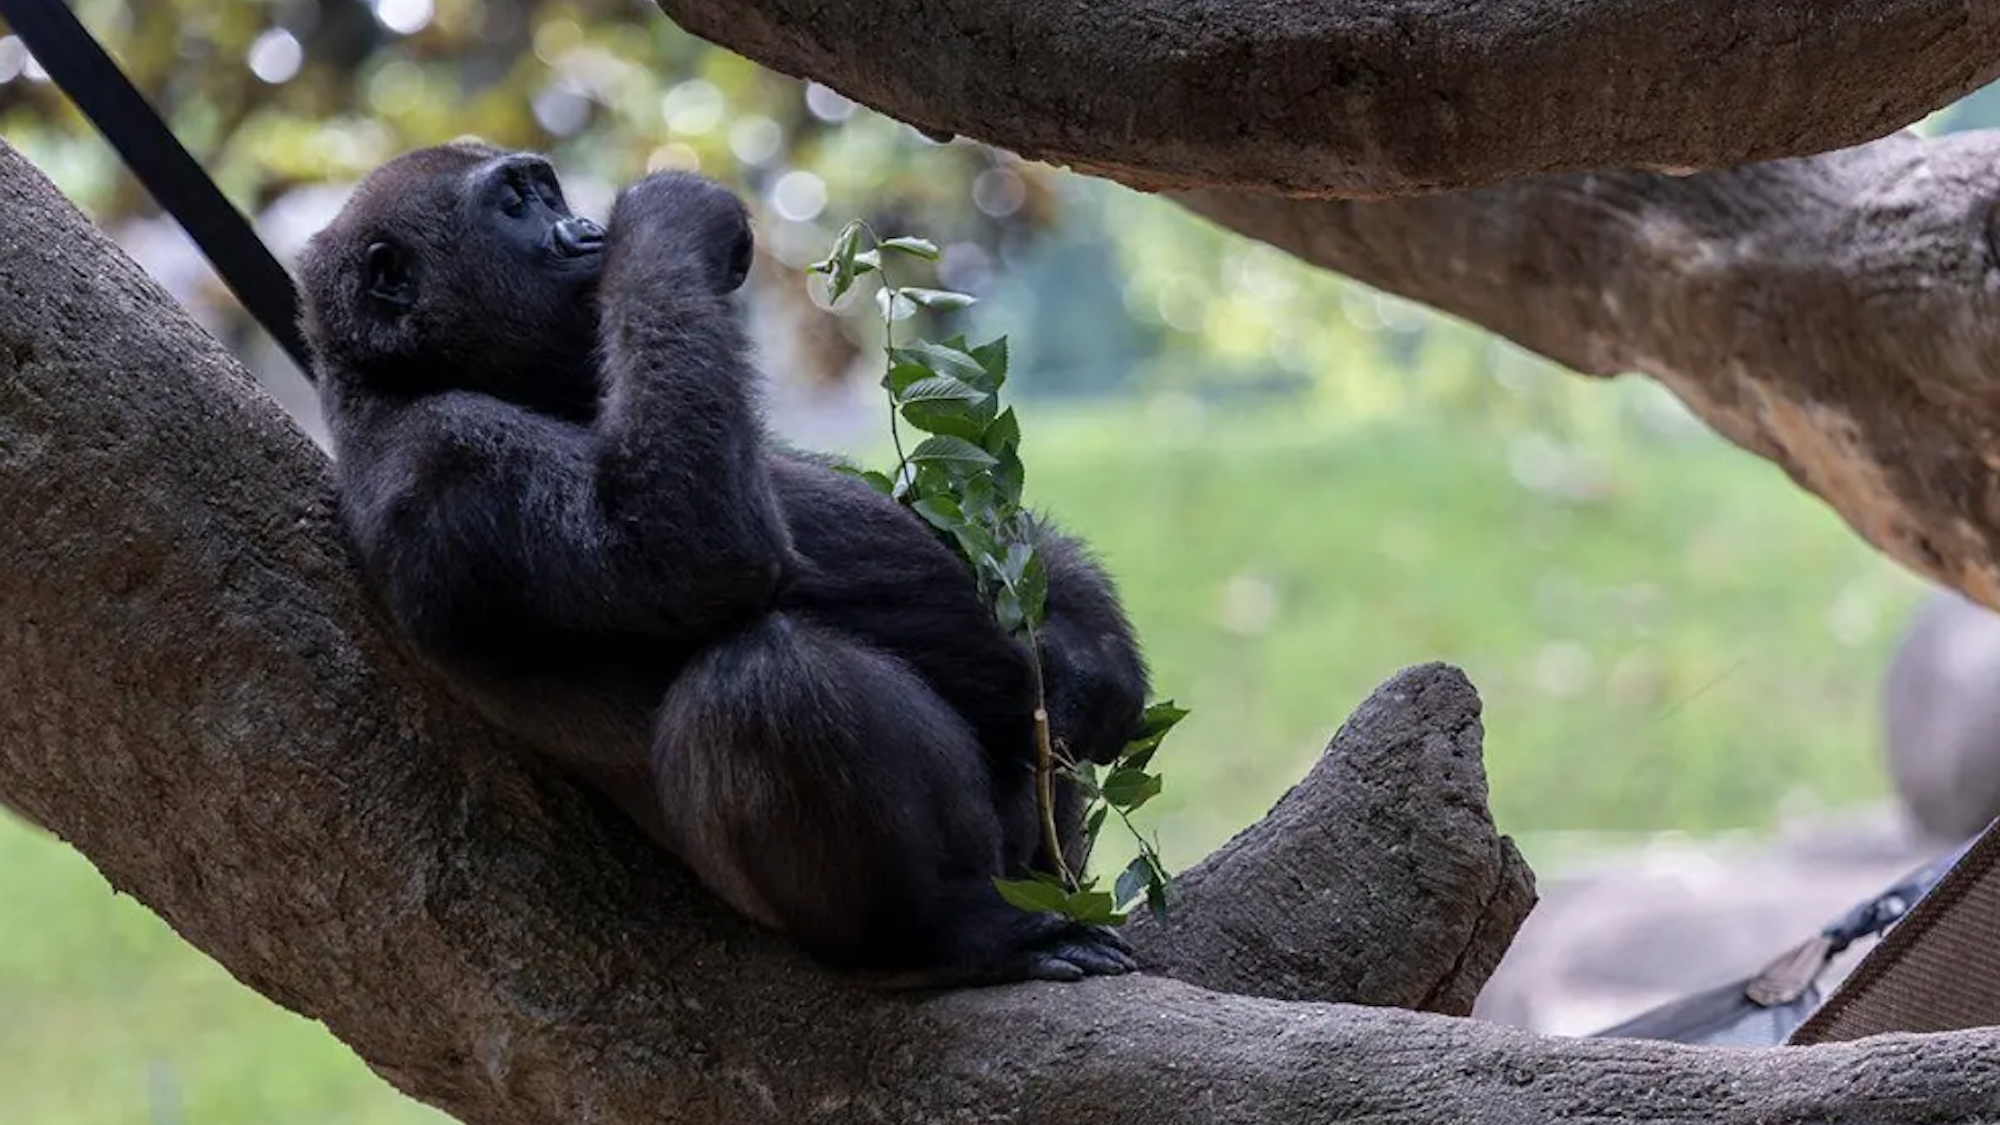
[1392, 97]
[1839, 315]
[1831, 313]
[202, 701]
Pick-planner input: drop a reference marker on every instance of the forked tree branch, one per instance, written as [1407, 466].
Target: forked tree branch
[1839, 315]
[1385, 97]
[200, 700]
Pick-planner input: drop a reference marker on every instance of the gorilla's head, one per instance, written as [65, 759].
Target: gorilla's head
[456, 266]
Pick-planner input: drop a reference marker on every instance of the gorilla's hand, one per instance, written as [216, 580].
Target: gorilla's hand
[685, 218]
[1096, 693]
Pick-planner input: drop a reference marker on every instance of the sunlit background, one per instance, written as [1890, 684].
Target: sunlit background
[1301, 484]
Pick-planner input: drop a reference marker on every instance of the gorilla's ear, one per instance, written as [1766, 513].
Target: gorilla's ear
[387, 273]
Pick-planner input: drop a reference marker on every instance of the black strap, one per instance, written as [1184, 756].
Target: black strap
[93, 81]
[1886, 909]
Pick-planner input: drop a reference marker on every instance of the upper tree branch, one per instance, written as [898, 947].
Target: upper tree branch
[1390, 97]
[1839, 315]
[201, 701]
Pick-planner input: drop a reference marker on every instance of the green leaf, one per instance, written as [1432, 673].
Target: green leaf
[969, 421]
[878, 481]
[1033, 895]
[1093, 908]
[978, 499]
[1161, 718]
[1144, 876]
[1016, 563]
[1007, 609]
[954, 451]
[974, 542]
[1096, 821]
[1033, 588]
[1128, 788]
[940, 298]
[893, 305]
[1004, 434]
[928, 480]
[938, 404]
[992, 356]
[916, 247]
[940, 512]
[1086, 776]
[1003, 439]
[1010, 477]
[845, 245]
[1153, 726]
[902, 376]
[1133, 880]
[952, 419]
[943, 359]
[939, 388]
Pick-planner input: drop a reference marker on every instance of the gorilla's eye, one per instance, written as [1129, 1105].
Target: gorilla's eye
[387, 272]
[550, 189]
[515, 202]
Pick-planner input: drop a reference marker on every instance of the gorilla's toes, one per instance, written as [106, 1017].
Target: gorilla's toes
[1097, 960]
[1055, 968]
[1055, 948]
[1095, 950]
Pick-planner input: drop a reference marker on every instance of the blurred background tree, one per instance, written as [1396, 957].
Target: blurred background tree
[1330, 484]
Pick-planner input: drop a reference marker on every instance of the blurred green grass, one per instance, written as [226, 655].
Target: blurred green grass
[1667, 633]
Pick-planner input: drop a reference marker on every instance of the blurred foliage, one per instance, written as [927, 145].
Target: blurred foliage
[275, 96]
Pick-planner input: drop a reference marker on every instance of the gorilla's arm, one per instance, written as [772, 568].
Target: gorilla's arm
[1094, 673]
[682, 473]
[481, 518]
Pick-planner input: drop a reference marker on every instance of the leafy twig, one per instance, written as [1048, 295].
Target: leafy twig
[965, 481]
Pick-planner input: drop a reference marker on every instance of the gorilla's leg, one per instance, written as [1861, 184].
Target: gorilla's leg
[822, 788]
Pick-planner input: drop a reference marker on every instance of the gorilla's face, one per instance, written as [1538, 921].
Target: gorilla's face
[457, 266]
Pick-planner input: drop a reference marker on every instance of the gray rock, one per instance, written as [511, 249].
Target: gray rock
[1941, 716]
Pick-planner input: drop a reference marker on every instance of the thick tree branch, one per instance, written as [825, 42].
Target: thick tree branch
[1391, 97]
[1378, 879]
[201, 701]
[1839, 315]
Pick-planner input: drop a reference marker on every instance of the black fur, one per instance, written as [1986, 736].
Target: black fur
[552, 470]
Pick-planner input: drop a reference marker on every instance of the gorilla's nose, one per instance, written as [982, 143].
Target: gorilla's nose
[576, 236]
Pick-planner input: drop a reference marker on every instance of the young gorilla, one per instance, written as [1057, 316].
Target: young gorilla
[551, 467]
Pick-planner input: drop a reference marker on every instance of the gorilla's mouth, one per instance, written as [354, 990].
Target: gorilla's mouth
[575, 237]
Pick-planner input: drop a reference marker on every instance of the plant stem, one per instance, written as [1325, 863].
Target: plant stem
[888, 365]
[1045, 756]
[1045, 768]
[889, 350]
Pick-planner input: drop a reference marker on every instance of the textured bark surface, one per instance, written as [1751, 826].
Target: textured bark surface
[1389, 97]
[201, 701]
[1839, 315]
[1377, 847]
